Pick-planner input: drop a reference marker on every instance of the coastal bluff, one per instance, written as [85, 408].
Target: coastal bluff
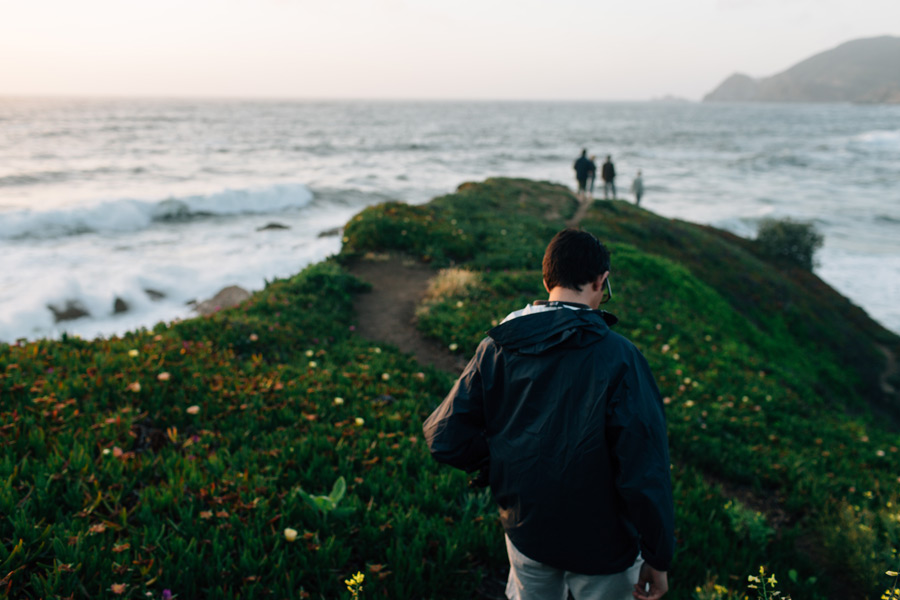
[861, 71]
[196, 458]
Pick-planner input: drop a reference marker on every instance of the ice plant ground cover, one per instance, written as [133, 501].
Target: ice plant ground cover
[185, 468]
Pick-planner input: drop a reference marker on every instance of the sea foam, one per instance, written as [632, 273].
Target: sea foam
[879, 139]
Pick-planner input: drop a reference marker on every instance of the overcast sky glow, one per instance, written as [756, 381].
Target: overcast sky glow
[448, 49]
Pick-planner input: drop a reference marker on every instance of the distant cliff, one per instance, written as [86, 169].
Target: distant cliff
[866, 70]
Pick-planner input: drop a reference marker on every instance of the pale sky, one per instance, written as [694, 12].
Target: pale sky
[434, 49]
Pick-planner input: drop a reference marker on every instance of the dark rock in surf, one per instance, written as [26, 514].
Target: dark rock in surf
[119, 306]
[330, 232]
[72, 310]
[154, 295]
[272, 226]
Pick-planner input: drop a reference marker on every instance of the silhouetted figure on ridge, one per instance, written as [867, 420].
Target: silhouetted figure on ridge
[582, 168]
[637, 186]
[609, 178]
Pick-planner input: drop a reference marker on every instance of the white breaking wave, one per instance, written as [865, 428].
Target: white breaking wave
[130, 215]
[881, 139]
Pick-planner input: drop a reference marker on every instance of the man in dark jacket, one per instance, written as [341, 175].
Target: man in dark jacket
[583, 167]
[609, 177]
[565, 416]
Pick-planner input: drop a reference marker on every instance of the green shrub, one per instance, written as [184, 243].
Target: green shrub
[791, 241]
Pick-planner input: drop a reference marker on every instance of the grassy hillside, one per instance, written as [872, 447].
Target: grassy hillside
[174, 459]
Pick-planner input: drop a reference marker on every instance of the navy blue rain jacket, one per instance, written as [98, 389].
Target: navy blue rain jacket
[568, 417]
[583, 167]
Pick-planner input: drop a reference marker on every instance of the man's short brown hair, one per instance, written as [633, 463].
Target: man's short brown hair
[574, 258]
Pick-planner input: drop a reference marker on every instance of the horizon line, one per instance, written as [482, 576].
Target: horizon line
[289, 98]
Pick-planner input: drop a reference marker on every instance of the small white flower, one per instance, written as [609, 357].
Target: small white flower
[290, 534]
[338, 401]
[385, 376]
[133, 352]
[193, 410]
[453, 347]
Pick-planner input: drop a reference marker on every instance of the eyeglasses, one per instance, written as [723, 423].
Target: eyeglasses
[607, 293]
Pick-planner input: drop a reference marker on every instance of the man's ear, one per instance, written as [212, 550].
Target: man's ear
[597, 284]
[545, 286]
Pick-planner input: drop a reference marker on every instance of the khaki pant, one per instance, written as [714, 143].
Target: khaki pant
[531, 580]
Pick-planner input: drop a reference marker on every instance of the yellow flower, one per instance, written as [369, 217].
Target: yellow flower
[313, 364]
[132, 352]
[385, 376]
[309, 353]
[354, 584]
[771, 580]
[360, 421]
[753, 578]
[453, 347]
[290, 534]
[891, 573]
[338, 401]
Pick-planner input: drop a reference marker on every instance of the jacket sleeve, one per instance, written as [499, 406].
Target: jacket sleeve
[640, 450]
[455, 431]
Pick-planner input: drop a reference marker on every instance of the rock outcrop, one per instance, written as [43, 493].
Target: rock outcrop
[226, 298]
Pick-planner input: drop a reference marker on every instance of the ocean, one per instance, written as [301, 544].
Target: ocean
[157, 203]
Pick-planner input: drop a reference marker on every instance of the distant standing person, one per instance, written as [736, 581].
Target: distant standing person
[609, 178]
[593, 174]
[637, 186]
[582, 168]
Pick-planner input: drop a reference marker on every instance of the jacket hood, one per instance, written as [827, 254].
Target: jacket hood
[539, 332]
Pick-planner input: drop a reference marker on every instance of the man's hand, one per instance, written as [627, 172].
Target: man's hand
[651, 585]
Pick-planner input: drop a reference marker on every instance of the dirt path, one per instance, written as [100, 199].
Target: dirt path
[583, 207]
[890, 371]
[387, 313]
